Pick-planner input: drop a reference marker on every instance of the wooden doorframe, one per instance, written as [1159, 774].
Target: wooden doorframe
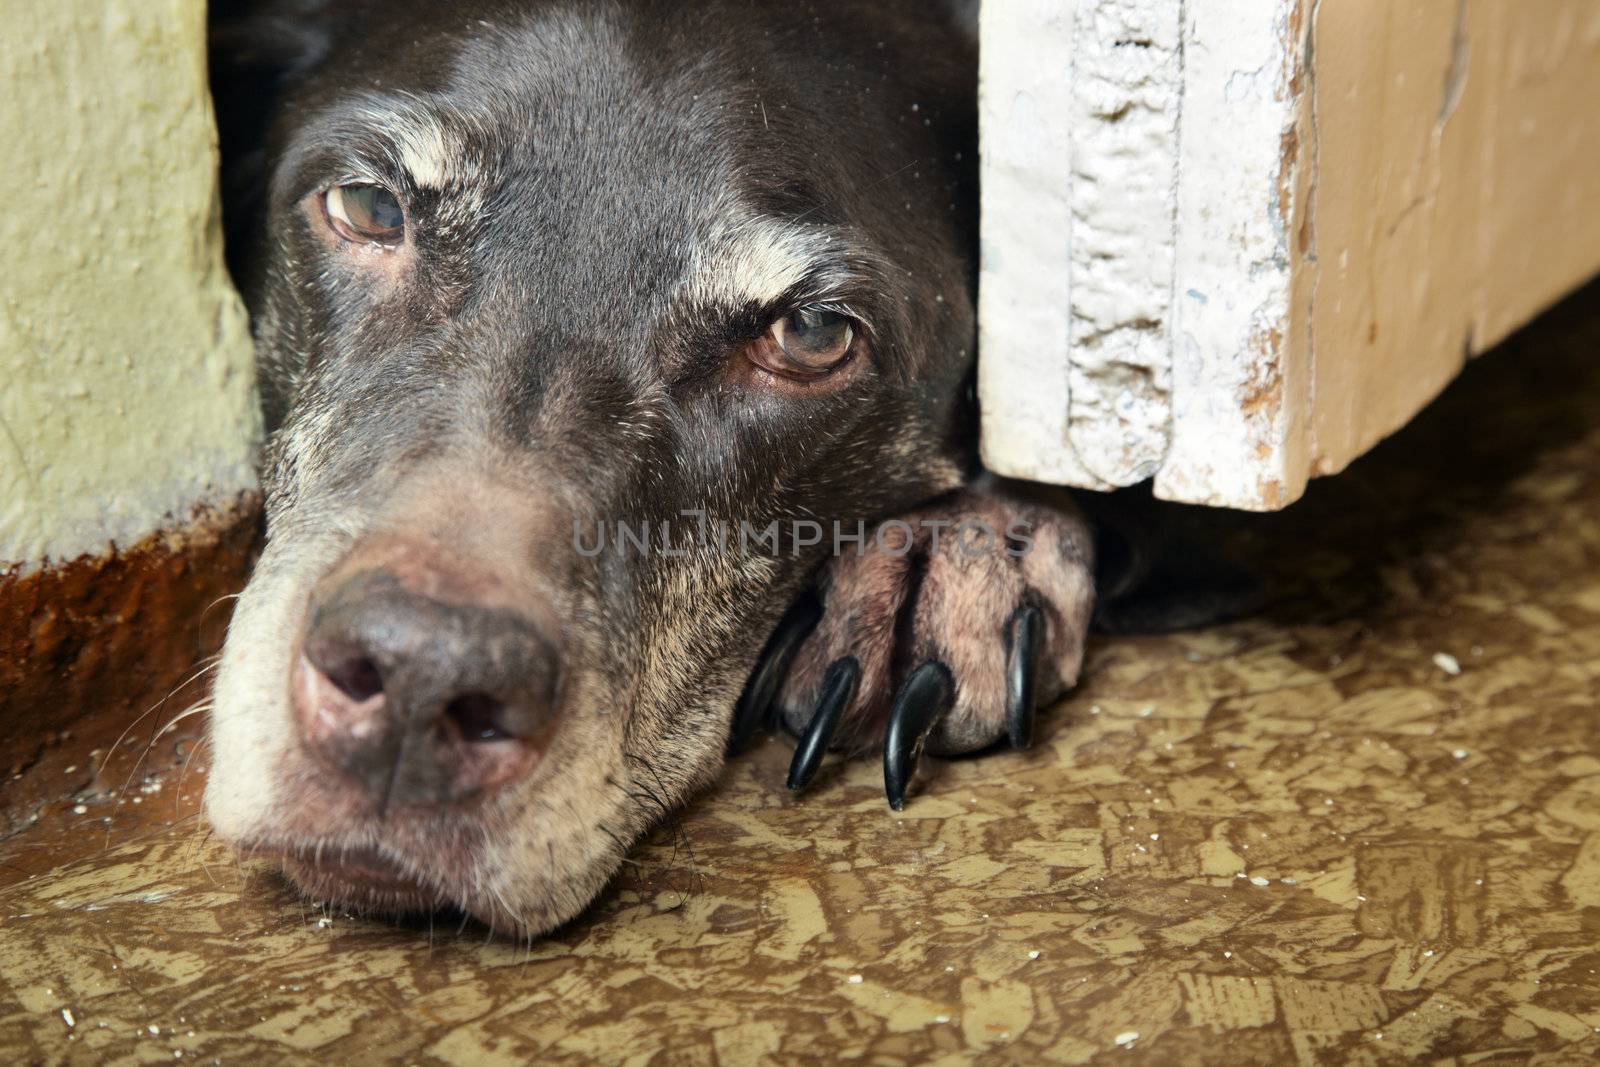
[1230, 245]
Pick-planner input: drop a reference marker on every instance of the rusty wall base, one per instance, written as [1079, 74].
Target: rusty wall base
[87, 647]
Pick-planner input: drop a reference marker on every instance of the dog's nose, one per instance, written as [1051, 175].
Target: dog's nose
[423, 701]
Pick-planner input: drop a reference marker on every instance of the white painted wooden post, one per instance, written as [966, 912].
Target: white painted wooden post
[1230, 244]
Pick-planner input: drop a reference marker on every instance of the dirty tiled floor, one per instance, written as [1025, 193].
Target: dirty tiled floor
[1361, 828]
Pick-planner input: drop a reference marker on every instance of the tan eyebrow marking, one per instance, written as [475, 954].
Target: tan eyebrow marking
[757, 259]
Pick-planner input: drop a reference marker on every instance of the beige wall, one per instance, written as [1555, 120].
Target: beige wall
[126, 392]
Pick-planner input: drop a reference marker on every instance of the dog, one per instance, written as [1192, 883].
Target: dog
[523, 273]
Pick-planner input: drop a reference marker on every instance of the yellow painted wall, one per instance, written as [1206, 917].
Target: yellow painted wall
[126, 383]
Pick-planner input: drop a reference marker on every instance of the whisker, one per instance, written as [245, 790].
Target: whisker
[177, 797]
[122, 793]
[199, 707]
[204, 834]
[223, 599]
[209, 663]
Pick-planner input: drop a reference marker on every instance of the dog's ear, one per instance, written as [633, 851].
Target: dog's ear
[257, 49]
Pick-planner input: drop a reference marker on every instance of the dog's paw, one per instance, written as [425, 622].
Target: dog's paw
[946, 631]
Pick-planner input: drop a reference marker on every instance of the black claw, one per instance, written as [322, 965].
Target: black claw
[838, 689]
[754, 708]
[1023, 634]
[923, 700]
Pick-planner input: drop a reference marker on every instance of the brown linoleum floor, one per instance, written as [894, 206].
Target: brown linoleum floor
[1363, 827]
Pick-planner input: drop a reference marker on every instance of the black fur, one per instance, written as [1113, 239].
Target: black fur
[560, 325]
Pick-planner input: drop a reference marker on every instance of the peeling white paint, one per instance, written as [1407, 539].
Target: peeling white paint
[1134, 249]
[1025, 315]
[1126, 92]
[1233, 434]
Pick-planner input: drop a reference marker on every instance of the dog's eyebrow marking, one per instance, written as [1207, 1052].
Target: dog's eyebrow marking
[423, 153]
[759, 260]
[428, 150]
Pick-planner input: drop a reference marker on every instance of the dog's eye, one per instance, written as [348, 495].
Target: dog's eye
[369, 214]
[809, 342]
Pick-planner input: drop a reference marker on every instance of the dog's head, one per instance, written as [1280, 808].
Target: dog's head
[532, 282]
